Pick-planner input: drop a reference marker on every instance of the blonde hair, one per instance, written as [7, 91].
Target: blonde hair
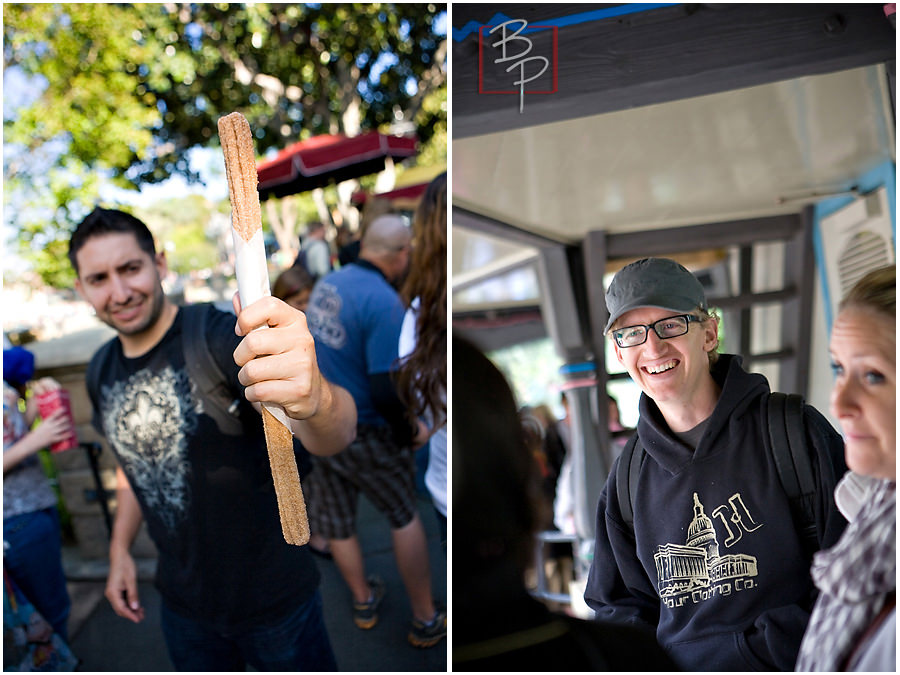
[705, 315]
[876, 291]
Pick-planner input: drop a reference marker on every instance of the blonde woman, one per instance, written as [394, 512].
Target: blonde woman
[853, 625]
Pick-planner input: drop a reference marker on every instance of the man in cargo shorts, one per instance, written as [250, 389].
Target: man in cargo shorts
[355, 315]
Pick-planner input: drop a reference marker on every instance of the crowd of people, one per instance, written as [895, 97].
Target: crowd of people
[703, 557]
[701, 548]
[177, 395]
[499, 504]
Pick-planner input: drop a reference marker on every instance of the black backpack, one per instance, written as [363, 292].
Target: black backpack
[783, 414]
[219, 401]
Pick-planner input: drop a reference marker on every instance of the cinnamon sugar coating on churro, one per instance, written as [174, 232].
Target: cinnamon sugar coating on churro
[291, 504]
[240, 168]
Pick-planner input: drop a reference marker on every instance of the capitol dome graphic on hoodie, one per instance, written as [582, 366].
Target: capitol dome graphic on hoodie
[696, 570]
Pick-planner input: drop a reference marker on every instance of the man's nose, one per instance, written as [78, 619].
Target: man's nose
[654, 343]
[119, 290]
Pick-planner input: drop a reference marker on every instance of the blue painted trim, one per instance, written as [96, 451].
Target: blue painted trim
[884, 176]
[577, 367]
[460, 34]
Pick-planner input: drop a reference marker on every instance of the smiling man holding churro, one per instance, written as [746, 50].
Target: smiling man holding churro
[201, 478]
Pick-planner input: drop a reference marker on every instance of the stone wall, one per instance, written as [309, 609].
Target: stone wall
[65, 359]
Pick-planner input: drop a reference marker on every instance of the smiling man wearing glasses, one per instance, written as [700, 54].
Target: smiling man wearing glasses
[713, 561]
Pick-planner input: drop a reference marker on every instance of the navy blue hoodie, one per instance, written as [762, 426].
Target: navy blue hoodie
[715, 563]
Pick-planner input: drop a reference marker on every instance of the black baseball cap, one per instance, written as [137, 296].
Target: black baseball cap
[653, 282]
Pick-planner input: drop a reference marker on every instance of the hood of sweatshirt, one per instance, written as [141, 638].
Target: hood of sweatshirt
[740, 390]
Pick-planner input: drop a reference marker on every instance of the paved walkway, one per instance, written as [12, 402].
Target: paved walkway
[107, 643]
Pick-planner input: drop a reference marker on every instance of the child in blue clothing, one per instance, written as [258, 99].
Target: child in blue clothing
[32, 547]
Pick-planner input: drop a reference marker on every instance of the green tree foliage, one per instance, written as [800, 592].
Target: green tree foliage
[433, 115]
[121, 92]
[181, 227]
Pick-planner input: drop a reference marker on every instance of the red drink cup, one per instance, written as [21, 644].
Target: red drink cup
[48, 403]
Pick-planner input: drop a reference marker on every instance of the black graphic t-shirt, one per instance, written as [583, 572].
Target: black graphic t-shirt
[207, 497]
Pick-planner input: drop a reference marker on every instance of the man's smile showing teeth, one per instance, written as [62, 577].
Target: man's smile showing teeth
[661, 368]
[127, 313]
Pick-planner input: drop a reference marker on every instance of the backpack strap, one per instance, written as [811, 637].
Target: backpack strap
[221, 403]
[627, 471]
[95, 366]
[787, 443]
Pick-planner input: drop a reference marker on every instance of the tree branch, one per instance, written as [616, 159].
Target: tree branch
[431, 79]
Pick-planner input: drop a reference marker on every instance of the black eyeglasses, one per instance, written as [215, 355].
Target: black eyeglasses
[671, 326]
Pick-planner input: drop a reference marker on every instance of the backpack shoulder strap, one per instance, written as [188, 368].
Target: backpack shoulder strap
[201, 365]
[204, 371]
[787, 443]
[96, 366]
[627, 471]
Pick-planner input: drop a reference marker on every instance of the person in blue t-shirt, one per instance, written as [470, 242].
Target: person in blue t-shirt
[355, 315]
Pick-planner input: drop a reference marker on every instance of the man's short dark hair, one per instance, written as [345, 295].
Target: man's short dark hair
[109, 221]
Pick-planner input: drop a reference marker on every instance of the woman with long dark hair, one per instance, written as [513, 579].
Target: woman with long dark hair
[422, 376]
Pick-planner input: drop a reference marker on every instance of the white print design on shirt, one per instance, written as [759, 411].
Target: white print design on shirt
[323, 315]
[695, 571]
[148, 418]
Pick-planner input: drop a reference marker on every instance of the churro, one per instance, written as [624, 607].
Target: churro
[291, 505]
[246, 219]
[240, 168]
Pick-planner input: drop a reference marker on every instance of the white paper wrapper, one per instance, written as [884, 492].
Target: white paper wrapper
[253, 284]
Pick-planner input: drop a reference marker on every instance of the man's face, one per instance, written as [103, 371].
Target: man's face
[401, 261]
[121, 282]
[672, 370]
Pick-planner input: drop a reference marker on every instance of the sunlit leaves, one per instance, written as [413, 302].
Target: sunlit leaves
[121, 92]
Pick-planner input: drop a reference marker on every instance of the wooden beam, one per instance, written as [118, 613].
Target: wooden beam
[707, 236]
[595, 263]
[750, 300]
[465, 218]
[657, 55]
[796, 314]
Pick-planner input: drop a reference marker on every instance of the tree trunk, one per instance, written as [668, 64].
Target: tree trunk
[318, 196]
[284, 225]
